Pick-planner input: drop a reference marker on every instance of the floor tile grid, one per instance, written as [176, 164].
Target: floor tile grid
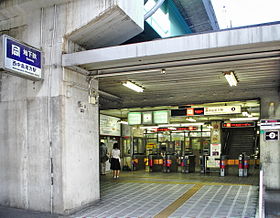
[236, 202]
[140, 206]
[184, 209]
[115, 189]
[170, 195]
[121, 199]
[130, 204]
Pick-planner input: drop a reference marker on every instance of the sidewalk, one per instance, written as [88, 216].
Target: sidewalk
[7, 212]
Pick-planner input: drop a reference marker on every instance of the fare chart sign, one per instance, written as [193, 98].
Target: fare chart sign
[20, 59]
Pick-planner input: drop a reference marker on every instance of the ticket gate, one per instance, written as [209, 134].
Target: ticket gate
[155, 163]
[170, 163]
[188, 164]
[138, 162]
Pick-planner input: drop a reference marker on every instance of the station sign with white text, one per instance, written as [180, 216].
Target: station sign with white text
[20, 59]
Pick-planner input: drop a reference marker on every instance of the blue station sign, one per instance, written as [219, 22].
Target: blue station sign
[20, 59]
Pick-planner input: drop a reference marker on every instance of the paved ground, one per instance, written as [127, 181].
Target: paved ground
[142, 194]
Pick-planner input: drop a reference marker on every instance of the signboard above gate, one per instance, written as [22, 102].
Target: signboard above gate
[20, 59]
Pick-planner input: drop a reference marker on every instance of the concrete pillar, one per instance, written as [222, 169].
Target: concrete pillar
[270, 150]
[49, 133]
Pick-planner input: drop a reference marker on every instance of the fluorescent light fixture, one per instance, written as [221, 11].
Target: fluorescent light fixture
[191, 119]
[148, 127]
[230, 78]
[170, 125]
[133, 86]
[244, 119]
[192, 124]
[123, 122]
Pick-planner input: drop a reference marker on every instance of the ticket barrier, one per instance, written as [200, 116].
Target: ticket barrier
[138, 162]
[202, 162]
[155, 163]
[223, 166]
[170, 163]
[188, 164]
[243, 165]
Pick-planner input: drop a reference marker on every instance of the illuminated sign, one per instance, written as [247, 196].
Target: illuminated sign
[239, 125]
[272, 135]
[178, 112]
[190, 112]
[161, 117]
[134, 118]
[147, 117]
[189, 128]
[198, 111]
[270, 124]
[222, 110]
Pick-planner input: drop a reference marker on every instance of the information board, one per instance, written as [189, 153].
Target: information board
[134, 118]
[20, 59]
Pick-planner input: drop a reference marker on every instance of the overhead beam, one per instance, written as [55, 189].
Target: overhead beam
[172, 48]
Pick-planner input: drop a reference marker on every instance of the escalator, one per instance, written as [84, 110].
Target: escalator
[238, 141]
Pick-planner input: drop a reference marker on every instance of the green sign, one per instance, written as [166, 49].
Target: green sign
[134, 118]
[161, 117]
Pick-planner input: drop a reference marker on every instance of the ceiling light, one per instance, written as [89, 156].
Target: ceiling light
[133, 86]
[170, 125]
[244, 119]
[230, 76]
[191, 119]
[192, 124]
[148, 127]
[123, 122]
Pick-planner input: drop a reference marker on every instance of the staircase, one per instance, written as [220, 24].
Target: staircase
[240, 140]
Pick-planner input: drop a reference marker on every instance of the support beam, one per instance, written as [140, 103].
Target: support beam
[226, 42]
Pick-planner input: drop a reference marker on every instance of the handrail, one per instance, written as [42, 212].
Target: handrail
[261, 195]
[226, 143]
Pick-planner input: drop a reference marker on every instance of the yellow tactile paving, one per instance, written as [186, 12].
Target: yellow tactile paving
[179, 202]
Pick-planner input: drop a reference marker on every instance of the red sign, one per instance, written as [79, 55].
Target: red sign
[190, 112]
[188, 128]
[199, 111]
[238, 125]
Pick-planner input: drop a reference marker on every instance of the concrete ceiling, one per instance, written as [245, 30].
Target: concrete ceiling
[199, 14]
[194, 67]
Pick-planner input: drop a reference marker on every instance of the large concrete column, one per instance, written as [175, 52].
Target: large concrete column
[49, 133]
[270, 150]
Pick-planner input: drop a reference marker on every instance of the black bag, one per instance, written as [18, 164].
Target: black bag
[104, 158]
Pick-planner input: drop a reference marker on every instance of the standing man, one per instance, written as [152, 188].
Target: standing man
[103, 156]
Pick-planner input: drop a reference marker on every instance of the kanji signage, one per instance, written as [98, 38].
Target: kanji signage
[20, 59]
[272, 135]
[270, 124]
[239, 125]
[222, 110]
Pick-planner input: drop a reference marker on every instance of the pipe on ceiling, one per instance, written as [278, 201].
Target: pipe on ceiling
[154, 9]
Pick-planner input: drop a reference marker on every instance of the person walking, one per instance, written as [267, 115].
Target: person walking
[103, 154]
[115, 160]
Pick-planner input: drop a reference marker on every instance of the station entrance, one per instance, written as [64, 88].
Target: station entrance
[220, 138]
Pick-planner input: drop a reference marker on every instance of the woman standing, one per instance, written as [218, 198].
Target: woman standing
[115, 161]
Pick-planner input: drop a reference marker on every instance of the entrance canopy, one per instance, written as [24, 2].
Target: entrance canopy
[187, 69]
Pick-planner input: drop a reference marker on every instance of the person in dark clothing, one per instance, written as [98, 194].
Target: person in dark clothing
[103, 155]
[115, 160]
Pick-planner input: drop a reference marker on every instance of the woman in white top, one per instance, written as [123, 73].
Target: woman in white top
[115, 161]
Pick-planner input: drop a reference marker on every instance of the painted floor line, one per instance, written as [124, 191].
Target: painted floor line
[179, 202]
